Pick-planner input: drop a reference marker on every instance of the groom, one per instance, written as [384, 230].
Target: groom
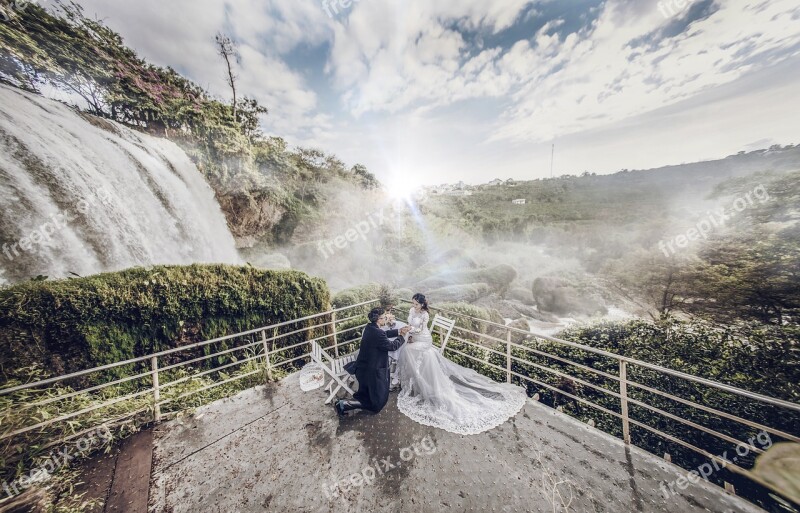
[372, 365]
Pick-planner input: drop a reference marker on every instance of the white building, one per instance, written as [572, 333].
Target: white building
[518, 201]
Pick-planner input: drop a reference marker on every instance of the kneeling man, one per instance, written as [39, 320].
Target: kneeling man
[372, 365]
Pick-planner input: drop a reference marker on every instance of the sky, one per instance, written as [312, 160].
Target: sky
[437, 91]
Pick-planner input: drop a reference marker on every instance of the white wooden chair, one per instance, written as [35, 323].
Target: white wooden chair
[445, 326]
[333, 368]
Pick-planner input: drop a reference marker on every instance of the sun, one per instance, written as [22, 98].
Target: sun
[401, 189]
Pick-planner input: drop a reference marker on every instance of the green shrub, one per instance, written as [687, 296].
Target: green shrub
[68, 325]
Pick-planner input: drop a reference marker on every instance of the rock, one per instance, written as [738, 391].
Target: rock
[512, 309]
[502, 306]
[522, 295]
[520, 324]
[250, 215]
[458, 293]
[533, 313]
[497, 278]
[561, 298]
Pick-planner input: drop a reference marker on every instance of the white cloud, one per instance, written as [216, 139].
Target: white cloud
[605, 79]
[391, 90]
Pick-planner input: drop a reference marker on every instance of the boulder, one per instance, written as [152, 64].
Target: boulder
[522, 295]
[557, 296]
[458, 293]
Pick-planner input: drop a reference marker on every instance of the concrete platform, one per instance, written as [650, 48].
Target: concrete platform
[276, 448]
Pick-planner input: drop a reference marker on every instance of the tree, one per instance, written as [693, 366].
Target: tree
[226, 48]
[367, 179]
[654, 282]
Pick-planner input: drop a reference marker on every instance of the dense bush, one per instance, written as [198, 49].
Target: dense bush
[68, 325]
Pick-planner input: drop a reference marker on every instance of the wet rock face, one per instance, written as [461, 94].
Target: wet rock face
[558, 296]
[250, 215]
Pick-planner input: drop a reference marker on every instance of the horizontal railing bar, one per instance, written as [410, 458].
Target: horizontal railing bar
[612, 393]
[306, 355]
[567, 361]
[295, 332]
[728, 465]
[207, 387]
[346, 342]
[678, 374]
[482, 335]
[139, 359]
[617, 395]
[593, 405]
[448, 348]
[210, 371]
[691, 424]
[717, 412]
[572, 378]
[207, 357]
[106, 423]
[259, 343]
[541, 367]
[84, 391]
[279, 350]
[476, 344]
[644, 405]
[77, 413]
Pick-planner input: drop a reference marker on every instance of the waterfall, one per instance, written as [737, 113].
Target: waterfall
[84, 195]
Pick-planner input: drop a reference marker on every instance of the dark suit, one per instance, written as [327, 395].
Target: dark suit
[372, 366]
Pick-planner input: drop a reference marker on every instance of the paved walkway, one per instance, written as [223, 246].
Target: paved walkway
[276, 448]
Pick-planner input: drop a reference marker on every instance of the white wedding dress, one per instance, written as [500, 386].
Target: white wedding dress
[439, 393]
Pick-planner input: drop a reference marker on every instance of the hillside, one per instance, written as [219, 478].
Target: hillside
[264, 187]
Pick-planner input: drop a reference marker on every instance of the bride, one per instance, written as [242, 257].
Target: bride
[439, 393]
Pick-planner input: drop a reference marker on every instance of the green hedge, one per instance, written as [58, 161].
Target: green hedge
[68, 325]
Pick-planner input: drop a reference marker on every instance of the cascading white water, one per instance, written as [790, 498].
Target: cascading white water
[80, 195]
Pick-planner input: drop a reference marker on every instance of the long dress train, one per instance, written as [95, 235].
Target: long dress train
[439, 393]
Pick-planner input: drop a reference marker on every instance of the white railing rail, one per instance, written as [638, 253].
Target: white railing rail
[263, 342]
[622, 393]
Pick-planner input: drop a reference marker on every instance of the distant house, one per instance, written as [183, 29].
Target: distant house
[496, 181]
[518, 201]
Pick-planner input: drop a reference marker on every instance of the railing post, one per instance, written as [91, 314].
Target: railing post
[267, 357]
[623, 393]
[335, 336]
[156, 390]
[508, 357]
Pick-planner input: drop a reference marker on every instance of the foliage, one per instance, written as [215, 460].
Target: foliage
[66, 325]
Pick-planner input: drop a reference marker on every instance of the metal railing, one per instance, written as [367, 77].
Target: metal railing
[269, 342]
[621, 392]
[264, 347]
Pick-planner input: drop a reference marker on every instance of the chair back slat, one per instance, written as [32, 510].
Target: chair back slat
[445, 326]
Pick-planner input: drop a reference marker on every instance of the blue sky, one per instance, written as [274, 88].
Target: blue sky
[432, 91]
